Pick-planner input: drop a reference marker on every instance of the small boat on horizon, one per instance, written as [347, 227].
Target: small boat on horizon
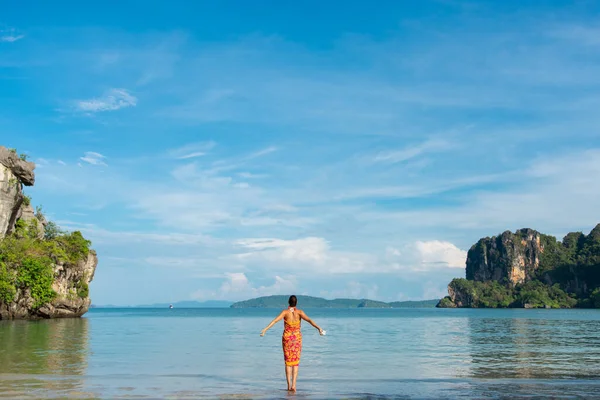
[170, 305]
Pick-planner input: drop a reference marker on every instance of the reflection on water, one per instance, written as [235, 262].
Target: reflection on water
[43, 356]
[534, 348]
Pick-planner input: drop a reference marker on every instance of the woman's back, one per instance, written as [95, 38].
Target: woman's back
[292, 316]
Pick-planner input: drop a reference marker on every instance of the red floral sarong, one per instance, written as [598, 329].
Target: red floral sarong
[292, 343]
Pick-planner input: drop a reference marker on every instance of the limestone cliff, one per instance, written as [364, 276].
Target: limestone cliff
[511, 258]
[14, 173]
[44, 272]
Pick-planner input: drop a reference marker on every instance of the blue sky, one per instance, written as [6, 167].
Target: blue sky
[226, 150]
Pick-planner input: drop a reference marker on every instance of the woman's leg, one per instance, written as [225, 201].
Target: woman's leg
[288, 376]
[295, 376]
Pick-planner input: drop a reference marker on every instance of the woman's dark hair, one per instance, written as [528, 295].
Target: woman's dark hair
[293, 301]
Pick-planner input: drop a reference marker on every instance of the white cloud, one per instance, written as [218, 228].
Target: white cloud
[11, 38]
[93, 158]
[237, 286]
[314, 255]
[10, 35]
[424, 256]
[192, 150]
[311, 249]
[437, 253]
[424, 188]
[249, 175]
[396, 156]
[112, 100]
[263, 152]
[310, 255]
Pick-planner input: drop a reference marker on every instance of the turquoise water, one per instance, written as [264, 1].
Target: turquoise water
[367, 353]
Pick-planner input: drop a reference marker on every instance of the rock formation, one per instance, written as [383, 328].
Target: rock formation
[529, 269]
[510, 258]
[67, 303]
[28, 257]
[14, 173]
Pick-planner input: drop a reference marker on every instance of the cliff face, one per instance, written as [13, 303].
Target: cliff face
[42, 274]
[511, 258]
[14, 173]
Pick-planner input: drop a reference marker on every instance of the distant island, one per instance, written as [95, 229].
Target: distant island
[318, 302]
[527, 269]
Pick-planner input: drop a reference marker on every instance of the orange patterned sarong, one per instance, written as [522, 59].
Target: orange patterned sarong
[292, 343]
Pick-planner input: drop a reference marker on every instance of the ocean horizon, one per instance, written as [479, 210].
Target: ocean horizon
[367, 353]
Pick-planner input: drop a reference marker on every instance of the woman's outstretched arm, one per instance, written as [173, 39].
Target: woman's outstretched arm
[276, 320]
[310, 321]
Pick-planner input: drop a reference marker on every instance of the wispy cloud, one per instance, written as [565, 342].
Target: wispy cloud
[250, 175]
[262, 152]
[240, 161]
[112, 100]
[10, 35]
[93, 158]
[545, 185]
[192, 150]
[407, 153]
[578, 34]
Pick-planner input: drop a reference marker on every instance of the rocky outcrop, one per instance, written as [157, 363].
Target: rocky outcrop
[511, 258]
[14, 173]
[531, 270]
[69, 282]
[69, 265]
[22, 169]
[37, 222]
[458, 298]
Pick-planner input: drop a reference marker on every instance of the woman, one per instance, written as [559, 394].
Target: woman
[292, 339]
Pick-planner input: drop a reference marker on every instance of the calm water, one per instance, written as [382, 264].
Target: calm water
[376, 354]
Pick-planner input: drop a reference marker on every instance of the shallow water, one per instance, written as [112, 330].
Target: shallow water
[367, 353]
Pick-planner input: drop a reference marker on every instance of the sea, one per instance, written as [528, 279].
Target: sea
[366, 354]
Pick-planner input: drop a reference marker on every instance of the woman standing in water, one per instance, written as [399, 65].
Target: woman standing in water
[292, 339]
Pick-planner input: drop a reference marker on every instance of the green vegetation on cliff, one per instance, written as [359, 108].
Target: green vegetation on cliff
[26, 261]
[492, 294]
[317, 302]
